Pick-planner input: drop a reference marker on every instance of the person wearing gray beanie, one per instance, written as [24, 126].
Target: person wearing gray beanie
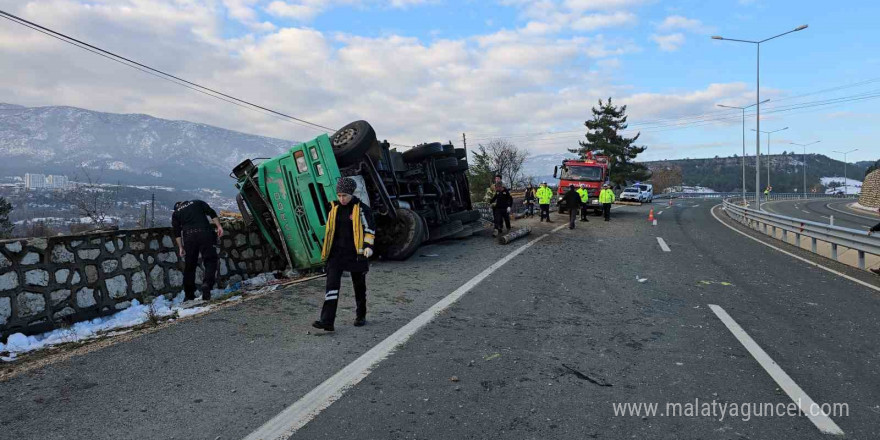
[349, 235]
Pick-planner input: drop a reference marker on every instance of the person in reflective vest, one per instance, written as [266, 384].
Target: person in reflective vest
[544, 195]
[585, 198]
[349, 236]
[606, 198]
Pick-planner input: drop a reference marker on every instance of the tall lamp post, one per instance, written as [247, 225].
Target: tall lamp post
[805, 162]
[758, 104]
[768, 133]
[845, 180]
[744, 139]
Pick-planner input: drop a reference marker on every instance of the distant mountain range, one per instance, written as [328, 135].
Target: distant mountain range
[133, 149]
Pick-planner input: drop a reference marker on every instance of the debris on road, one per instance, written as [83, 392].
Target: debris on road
[514, 235]
[454, 378]
[641, 280]
[492, 356]
[429, 255]
[586, 378]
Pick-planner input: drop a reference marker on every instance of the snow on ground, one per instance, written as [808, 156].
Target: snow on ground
[852, 186]
[134, 315]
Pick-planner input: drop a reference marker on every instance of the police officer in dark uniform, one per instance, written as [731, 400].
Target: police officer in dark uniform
[195, 237]
[348, 244]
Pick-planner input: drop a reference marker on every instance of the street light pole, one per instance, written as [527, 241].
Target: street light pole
[805, 162]
[744, 139]
[758, 105]
[845, 180]
[768, 133]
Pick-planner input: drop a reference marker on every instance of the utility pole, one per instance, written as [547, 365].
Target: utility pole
[845, 180]
[744, 141]
[464, 140]
[805, 162]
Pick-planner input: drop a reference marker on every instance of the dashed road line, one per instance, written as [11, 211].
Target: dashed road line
[661, 212]
[798, 396]
[297, 415]
[663, 245]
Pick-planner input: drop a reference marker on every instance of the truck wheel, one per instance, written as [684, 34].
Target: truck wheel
[461, 153]
[242, 208]
[449, 149]
[351, 142]
[446, 164]
[422, 152]
[447, 230]
[406, 235]
[465, 216]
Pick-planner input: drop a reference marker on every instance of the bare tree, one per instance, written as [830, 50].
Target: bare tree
[666, 177]
[504, 158]
[90, 198]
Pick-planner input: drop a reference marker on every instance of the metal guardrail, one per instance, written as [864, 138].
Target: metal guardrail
[836, 236]
[751, 196]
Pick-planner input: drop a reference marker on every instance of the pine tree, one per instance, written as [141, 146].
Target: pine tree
[6, 225]
[603, 137]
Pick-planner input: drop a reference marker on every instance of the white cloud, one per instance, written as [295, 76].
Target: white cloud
[552, 16]
[411, 91]
[669, 43]
[678, 22]
[595, 21]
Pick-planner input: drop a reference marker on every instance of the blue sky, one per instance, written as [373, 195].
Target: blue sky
[421, 70]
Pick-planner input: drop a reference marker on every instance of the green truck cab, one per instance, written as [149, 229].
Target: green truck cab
[418, 195]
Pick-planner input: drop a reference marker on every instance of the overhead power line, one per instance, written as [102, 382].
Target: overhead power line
[208, 91]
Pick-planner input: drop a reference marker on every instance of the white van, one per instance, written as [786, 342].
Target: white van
[646, 192]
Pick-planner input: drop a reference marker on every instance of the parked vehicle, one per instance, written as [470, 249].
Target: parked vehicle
[592, 172]
[647, 191]
[417, 195]
[631, 194]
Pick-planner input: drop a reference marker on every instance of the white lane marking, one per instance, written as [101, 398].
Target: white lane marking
[661, 212]
[663, 245]
[696, 206]
[558, 228]
[828, 205]
[295, 416]
[797, 395]
[856, 280]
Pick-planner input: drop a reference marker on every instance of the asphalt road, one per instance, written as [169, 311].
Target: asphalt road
[541, 348]
[821, 210]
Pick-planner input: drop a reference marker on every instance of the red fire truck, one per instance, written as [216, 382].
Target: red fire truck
[592, 172]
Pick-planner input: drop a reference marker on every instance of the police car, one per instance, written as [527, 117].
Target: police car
[632, 194]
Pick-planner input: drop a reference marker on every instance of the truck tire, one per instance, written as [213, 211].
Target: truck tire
[465, 216]
[242, 208]
[448, 149]
[352, 142]
[462, 167]
[408, 235]
[447, 230]
[422, 152]
[461, 153]
[445, 164]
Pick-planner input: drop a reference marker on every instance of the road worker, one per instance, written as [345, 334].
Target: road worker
[585, 197]
[195, 236]
[544, 195]
[573, 201]
[606, 198]
[348, 245]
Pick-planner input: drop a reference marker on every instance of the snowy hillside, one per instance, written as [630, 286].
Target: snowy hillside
[847, 186]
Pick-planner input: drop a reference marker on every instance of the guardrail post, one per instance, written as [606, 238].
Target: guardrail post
[813, 246]
[785, 235]
[797, 240]
[831, 220]
[833, 251]
[862, 260]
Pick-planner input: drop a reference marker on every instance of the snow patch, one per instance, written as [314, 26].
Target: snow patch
[848, 186]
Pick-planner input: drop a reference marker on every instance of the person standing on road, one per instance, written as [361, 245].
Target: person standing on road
[544, 195]
[529, 199]
[585, 197]
[606, 198]
[348, 244]
[573, 202]
[501, 203]
[192, 231]
[767, 192]
[874, 229]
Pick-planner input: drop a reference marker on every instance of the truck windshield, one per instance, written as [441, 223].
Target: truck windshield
[592, 174]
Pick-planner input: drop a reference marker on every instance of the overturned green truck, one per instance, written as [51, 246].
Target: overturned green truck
[417, 195]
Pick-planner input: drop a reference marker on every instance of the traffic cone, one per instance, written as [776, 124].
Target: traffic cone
[651, 215]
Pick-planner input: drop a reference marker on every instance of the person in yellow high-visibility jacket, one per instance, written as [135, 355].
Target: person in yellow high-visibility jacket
[544, 194]
[606, 198]
[585, 197]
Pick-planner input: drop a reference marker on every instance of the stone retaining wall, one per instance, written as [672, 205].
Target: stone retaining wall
[870, 195]
[46, 282]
